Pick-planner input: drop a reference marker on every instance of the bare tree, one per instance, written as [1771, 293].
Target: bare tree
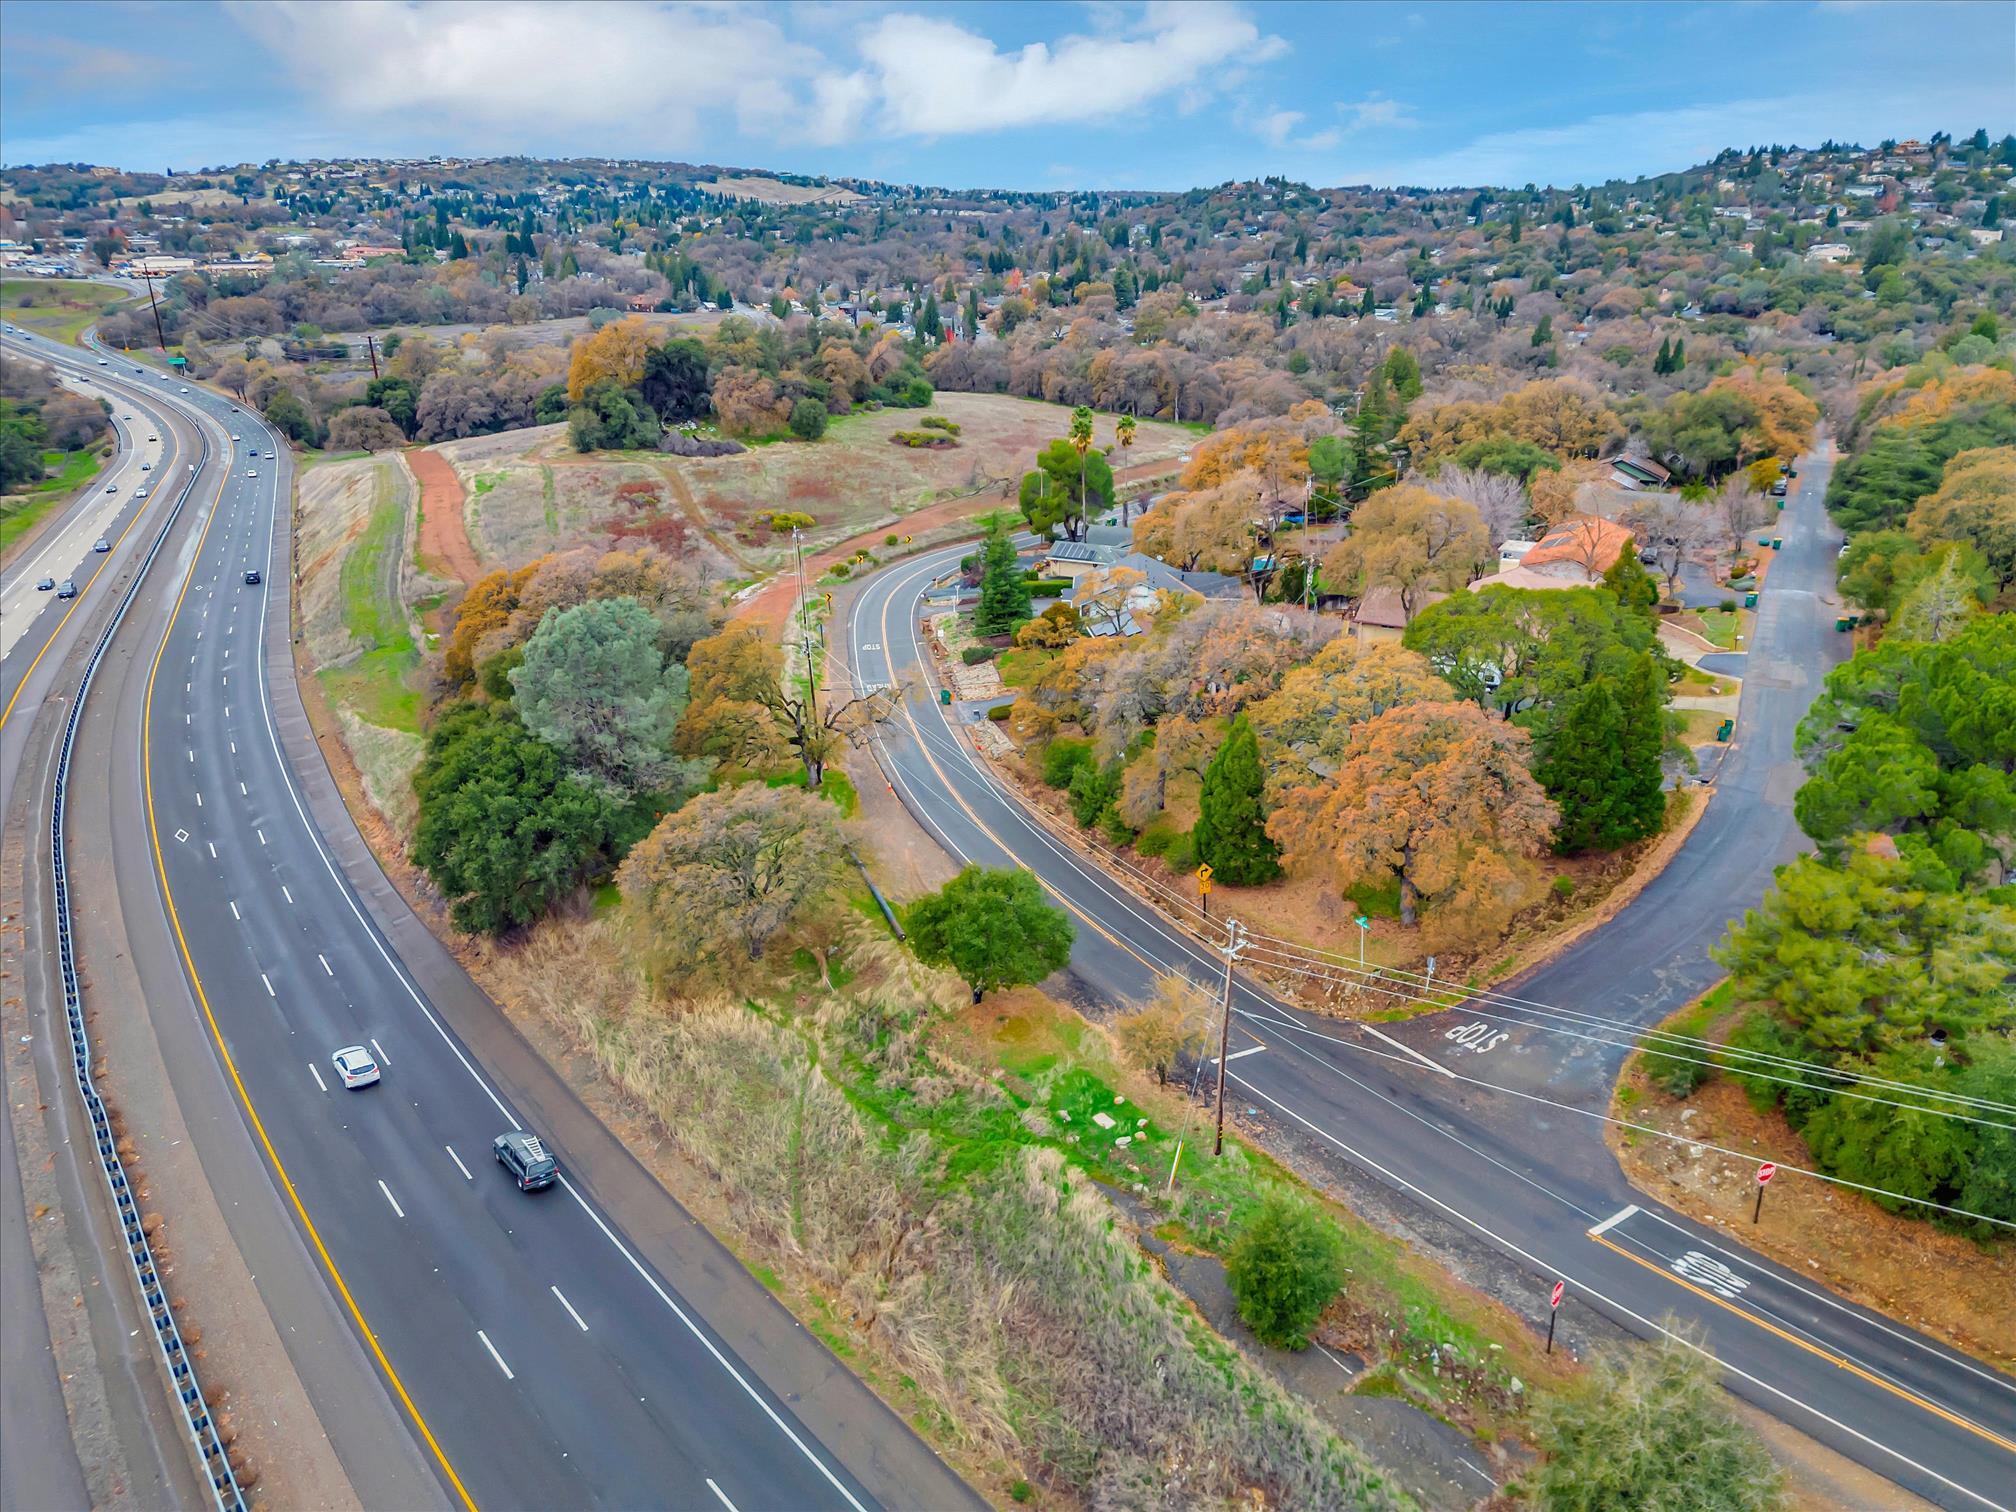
[1739, 510]
[1670, 530]
[1499, 498]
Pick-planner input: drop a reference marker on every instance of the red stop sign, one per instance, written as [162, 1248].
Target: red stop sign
[1765, 1172]
[1554, 1298]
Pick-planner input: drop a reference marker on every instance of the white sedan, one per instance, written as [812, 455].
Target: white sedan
[356, 1066]
[251, 472]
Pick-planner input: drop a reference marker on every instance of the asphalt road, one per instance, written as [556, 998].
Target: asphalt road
[539, 1348]
[1491, 1131]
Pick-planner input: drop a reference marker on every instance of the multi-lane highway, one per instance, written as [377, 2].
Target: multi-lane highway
[1493, 1130]
[584, 1346]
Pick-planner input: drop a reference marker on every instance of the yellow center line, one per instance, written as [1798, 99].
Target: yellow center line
[217, 1034]
[1811, 1348]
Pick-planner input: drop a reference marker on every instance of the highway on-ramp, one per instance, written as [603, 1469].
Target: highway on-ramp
[1516, 1161]
[536, 1348]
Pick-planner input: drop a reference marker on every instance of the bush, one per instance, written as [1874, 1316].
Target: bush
[1181, 856]
[1093, 789]
[1653, 1431]
[839, 569]
[1676, 1078]
[1728, 606]
[891, 539]
[679, 444]
[1563, 887]
[1048, 587]
[1284, 1268]
[808, 419]
[1001, 713]
[974, 655]
[940, 422]
[1062, 758]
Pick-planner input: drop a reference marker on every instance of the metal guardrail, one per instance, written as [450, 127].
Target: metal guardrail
[211, 1451]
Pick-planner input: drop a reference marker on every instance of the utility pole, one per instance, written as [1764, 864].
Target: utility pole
[805, 625]
[158, 334]
[371, 346]
[1235, 945]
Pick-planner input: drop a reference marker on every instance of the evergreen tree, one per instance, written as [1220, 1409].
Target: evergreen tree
[1679, 354]
[1543, 332]
[1580, 768]
[1628, 579]
[1366, 305]
[1663, 362]
[1231, 833]
[1639, 805]
[1004, 595]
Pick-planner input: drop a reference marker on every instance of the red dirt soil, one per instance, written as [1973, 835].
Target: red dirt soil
[444, 534]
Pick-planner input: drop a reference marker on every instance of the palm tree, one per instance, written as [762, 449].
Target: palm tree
[1081, 442]
[1124, 434]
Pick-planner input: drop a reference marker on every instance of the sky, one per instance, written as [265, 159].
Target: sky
[1029, 95]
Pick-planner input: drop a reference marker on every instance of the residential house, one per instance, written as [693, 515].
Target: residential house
[1639, 472]
[1382, 615]
[1573, 554]
[1156, 578]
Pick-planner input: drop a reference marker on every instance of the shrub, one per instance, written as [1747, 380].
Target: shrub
[1093, 789]
[1001, 713]
[940, 422]
[1652, 1431]
[808, 419]
[974, 655]
[1676, 1078]
[679, 444]
[840, 569]
[1728, 606]
[891, 539]
[1284, 1268]
[1062, 758]
[781, 520]
[1182, 853]
[1563, 887]
[1048, 587]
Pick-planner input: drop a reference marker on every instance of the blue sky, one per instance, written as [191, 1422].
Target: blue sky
[1027, 96]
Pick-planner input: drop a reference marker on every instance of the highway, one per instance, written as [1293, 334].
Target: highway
[541, 1350]
[1494, 1134]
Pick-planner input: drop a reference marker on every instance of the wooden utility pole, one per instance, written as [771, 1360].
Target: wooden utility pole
[158, 334]
[371, 346]
[1235, 942]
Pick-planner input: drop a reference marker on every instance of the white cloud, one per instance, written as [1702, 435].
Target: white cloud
[928, 76]
[513, 73]
[1376, 110]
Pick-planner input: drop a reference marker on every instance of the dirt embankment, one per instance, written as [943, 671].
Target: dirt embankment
[444, 533]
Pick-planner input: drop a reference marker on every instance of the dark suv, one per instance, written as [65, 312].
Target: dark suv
[526, 1159]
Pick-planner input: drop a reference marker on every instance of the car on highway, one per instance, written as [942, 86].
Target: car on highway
[356, 1066]
[101, 545]
[67, 588]
[185, 390]
[140, 493]
[43, 585]
[153, 438]
[146, 467]
[103, 363]
[526, 1159]
[236, 437]
[234, 410]
[252, 575]
[251, 472]
[111, 488]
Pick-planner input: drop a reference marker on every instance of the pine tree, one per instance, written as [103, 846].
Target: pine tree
[1679, 354]
[1628, 579]
[1580, 768]
[1004, 596]
[1663, 362]
[1640, 803]
[1231, 832]
[1543, 332]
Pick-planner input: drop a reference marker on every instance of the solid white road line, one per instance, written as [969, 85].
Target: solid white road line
[269, 984]
[234, 912]
[1409, 1050]
[495, 1356]
[381, 1052]
[458, 1162]
[396, 1208]
[286, 894]
[1240, 1054]
[213, 848]
[570, 1310]
[325, 962]
[316, 1072]
[720, 1495]
[1613, 1220]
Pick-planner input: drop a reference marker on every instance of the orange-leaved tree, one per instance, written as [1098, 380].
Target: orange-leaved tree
[614, 354]
[1437, 797]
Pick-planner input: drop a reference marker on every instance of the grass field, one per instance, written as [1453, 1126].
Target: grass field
[376, 685]
[69, 471]
[58, 308]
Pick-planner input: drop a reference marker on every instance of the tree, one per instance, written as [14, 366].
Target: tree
[71, 422]
[1975, 503]
[1918, 741]
[1942, 602]
[1004, 593]
[808, 419]
[610, 418]
[363, 428]
[1601, 762]
[1652, 1430]
[287, 414]
[1065, 489]
[1210, 531]
[396, 397]
[676, 381]
[504, 831]
[1159, 1034]
[1435, 796]
[1526, 651]
[1304, 727]
[1627, 579]
[722, 877]
[1231, 831]
[1284, 1268]
[994, 927]
[1412, 540]
[743, 709]
[596, 687]
[615, 354]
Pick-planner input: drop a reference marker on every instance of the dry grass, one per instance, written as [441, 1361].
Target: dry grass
[995, 1275]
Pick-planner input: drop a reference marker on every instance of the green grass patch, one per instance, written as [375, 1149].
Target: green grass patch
[59, 308]
[1721, 626]
[376, 686]
[834, 785]
[69, 471]
[1380, 902]
[1021, 667]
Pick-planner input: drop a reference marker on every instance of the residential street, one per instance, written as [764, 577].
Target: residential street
[1503, 1149]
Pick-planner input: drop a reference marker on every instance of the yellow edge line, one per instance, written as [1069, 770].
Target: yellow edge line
[217, 1035]
[1826, 1354]
[77, 604]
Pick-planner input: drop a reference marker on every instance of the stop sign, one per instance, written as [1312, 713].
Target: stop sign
[1554, 1298]
[1765, 1172]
